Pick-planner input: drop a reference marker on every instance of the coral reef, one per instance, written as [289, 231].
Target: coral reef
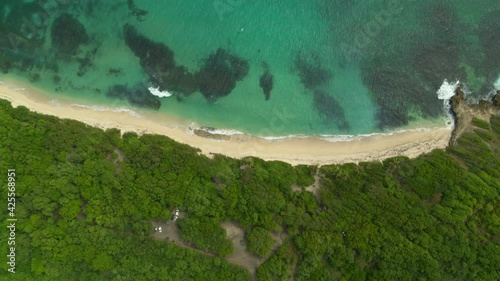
[158, 62]
[310, 71]
[68, 34]
[489, 37]
[138, 13]
[219, 74]
[216, 78]
[266, 82]
[314, 77]
[330, 110]
[395, 91]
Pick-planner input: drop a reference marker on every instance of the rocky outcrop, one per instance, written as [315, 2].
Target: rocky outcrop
[464, 113]
[208, 132]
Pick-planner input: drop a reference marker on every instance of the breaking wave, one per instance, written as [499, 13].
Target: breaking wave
[158, 93]
[445, 93]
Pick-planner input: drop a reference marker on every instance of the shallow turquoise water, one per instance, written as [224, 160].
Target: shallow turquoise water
[381, 59]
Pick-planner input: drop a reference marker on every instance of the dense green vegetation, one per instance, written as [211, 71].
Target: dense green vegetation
[480, 123]
[84, 212]
[206, 233]
[259, 241]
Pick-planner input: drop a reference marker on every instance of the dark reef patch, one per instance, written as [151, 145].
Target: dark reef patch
[442, 19]
[86, 62]
[158, 62]
[310, 71]
[395, 91]
[438, 62]
[138, 13]
[330, 110]
[489, 37]
[266, 81]
[219, 74]
[410, 82]
[137, 96]
[314, 77]
[216, 78]
[440, 59]
[24, 25]
[68, 34]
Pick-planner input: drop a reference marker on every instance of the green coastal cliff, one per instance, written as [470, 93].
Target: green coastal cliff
[87, 202]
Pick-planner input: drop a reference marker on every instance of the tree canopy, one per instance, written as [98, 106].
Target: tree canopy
[85, 200]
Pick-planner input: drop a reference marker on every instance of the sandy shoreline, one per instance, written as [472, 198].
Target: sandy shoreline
[310, 150]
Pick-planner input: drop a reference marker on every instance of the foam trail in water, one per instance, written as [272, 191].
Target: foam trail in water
[105, 108]
[497, 84]
[445, 93]
[158, 93]
[216, 131]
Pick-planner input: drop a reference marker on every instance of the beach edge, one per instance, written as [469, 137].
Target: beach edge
[294, 150]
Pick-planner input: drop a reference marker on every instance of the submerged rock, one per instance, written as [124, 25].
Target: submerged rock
[216, 78]
[137, 96]
[158, 62]
[138, 13]
[489, 36]
[330, 110]
[310, 71]
[395, 91]
[439, 62]
[266, 83]
[24, 24]
[219, 74]
[68, 34]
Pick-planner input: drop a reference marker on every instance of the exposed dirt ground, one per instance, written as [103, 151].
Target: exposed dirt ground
[240, 256]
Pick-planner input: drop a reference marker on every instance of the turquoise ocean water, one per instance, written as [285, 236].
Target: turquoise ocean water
[332, 67]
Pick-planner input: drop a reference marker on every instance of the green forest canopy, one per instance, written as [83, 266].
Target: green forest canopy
[84, 215]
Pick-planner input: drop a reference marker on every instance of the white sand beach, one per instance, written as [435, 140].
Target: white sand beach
[300, 150]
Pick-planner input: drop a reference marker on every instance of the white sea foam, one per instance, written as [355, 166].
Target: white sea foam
[275, 138]
[226, 132]
[497, 84]
[445, 93]
[112, 109]
[349, 138]
[340, 138]
[447, 90]
[158, 93]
